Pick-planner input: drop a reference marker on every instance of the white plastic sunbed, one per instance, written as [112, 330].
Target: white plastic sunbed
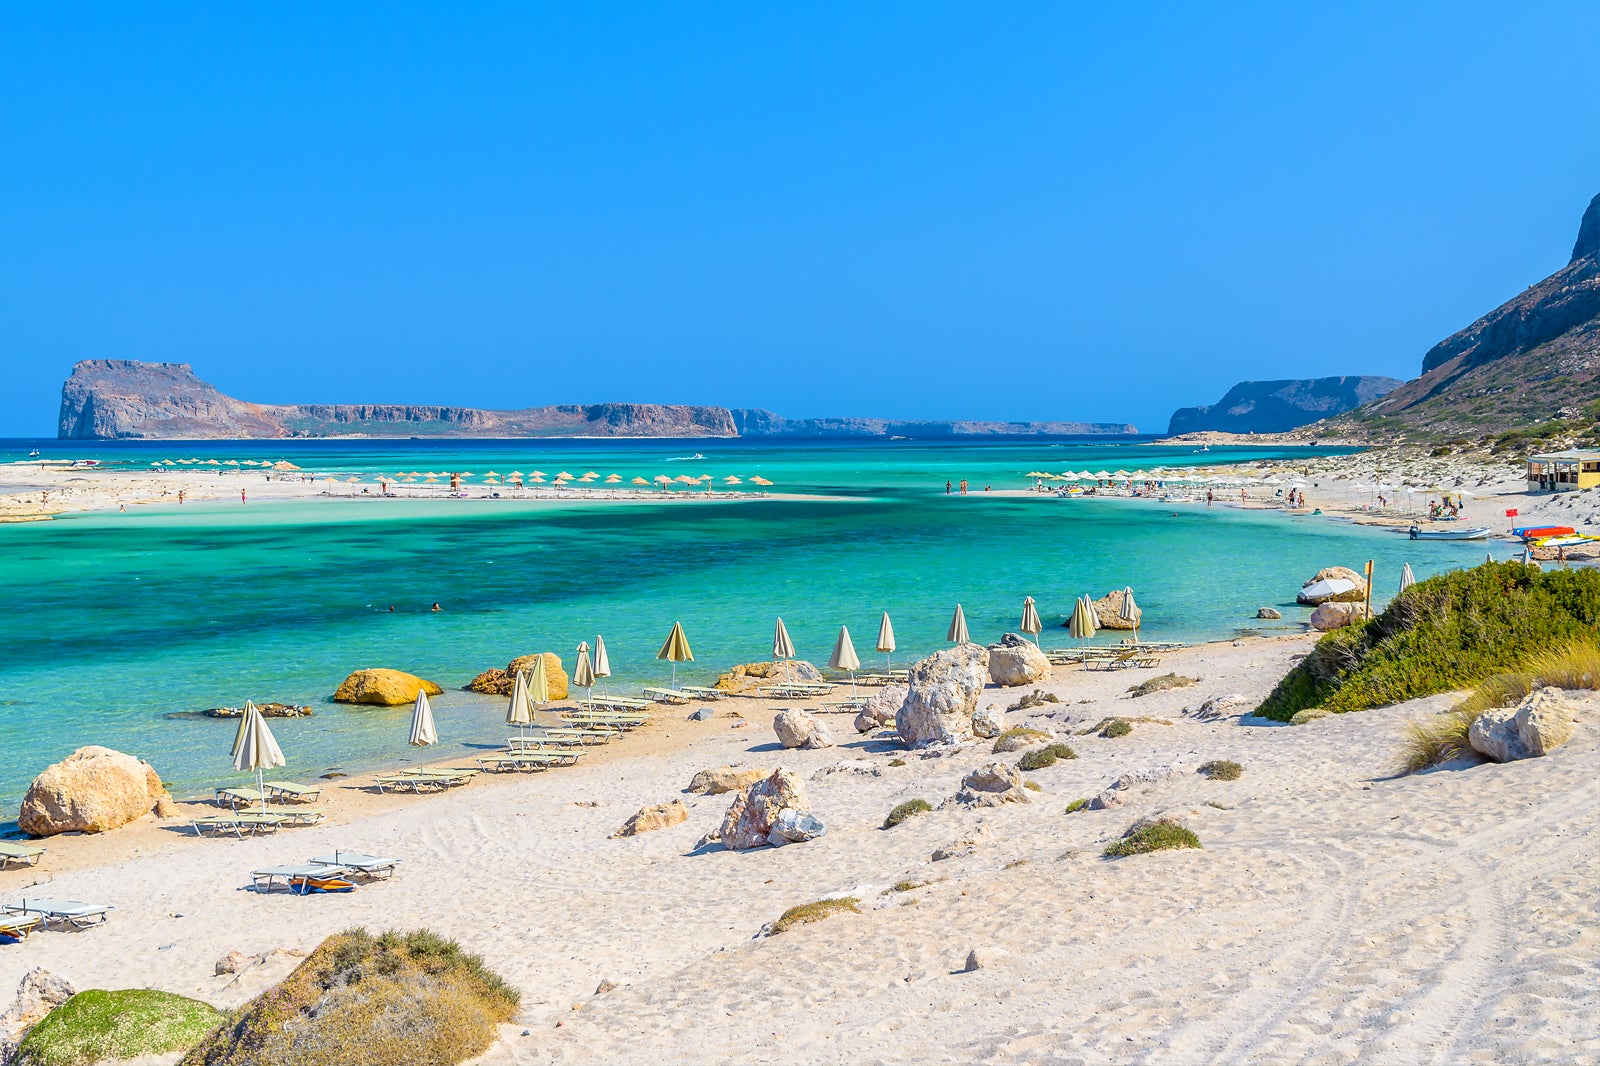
[669, 695]
[700, 692]
[372, 867]
[239, 824]
[18, 927]
[73, 912]
[27, 854]
[291, 790]
[289, 873]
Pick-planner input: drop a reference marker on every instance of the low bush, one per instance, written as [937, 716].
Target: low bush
[1117, 727]
[1221, 770]
[1161, 684]
[1160, 835]
[1045, 756]
[96, 1024]
[906, 810]
[412, 997]
[1448, 632]
[817, 911]
[1019, 736]
[1077, 805]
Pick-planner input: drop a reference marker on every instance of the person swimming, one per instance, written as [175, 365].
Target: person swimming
[436, 608]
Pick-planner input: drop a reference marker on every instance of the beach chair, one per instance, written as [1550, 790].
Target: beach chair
[570, 746]
[73, 912]
[581, 735]
[297, 816]
[414, 783]
[18, 927]
[230, 796]
[700, 692]
[26, 854]
[370, 867]
[240, 824]
[620, 703]
[295, 876]
[455, 775]
[289, 790]
[669, 695]
[524, 761]
[849, 703]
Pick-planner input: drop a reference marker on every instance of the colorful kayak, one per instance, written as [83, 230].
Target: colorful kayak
[1574, 541]
[1535, 532]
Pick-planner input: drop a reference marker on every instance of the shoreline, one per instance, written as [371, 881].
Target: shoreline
[1321, 874]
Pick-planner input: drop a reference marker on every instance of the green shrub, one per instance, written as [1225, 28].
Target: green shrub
[400, 997]
[1077, 805]
[1019, 736]
[814, 912]
[1117, 727]
[1145, 837]
[96, 1024]
[1221, 770]
[1309, 715]
[897, 762]
[906, 810]
[1045, 756]
[1160, 684]
[1032, 785]
[1448, 632]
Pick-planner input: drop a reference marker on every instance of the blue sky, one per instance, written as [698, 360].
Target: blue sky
[919, 210]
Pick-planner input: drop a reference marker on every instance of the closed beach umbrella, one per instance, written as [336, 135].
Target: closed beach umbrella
[518, 712]
[422, 731]
[676, 650]
[782, 646]
[1081, 625]
[583, 672]
[885, 638]
[1130, 611]
[255, 748]
[538, 683]
[844, 657]
[1407, 578]
[1030, 619]
[958, 627]
[602, 661]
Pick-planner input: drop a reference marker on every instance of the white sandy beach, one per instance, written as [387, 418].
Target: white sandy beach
[1336, 913]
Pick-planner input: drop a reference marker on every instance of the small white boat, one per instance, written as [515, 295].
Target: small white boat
[34, 454]
[1475, 533]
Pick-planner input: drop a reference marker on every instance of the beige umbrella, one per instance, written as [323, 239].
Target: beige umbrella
[1082, 625]
[640, 481]
[519, 713]
[255, 748]
[885, 638]
[663, 480]
[763, 482]
[602, 661]
[591, 474]
[1130, 611]
[676, 650]
[583, 672]
[537, 478]
[1407, 578]
[1030, 619]
[958, 627]
[782, 646]
[844, 657]
[731, 480]
[612, 479]
[538, 683]
[422, 731]
[565, 475]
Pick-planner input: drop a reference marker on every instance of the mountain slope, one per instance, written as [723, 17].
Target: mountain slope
[1278, 406]
[1535, 357]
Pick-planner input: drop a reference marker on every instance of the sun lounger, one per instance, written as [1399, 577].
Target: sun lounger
[615, 720]
[18, 926]
[700, 692]
[669, 695]
[417, 783]
[239, 824]
[621, 703]
[527, 761]
[296, 816]
[853, 703]
[570, 746]
[873, 679]
[445, 773]
[239, 797]
[27, 854]
[73, 912]
[290, 873]
[1129, 658]
[291, 791]
[371, 867]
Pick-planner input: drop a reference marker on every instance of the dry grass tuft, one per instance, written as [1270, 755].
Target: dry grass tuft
[1144, 837]
[1574, 665]
[906, 810]
[1221, 770]
[816, 911]
[1077, 805]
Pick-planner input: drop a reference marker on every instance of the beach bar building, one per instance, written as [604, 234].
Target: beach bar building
[1563, 471]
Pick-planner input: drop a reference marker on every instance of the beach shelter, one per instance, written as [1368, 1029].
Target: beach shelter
[844, 657]
[612, 479]
[782, 646]
[255, 748]
[1327, 589]
[885, 638]
[583, 672]
[731, 480]
[602, 661]
[1081, 625]
[640, 481]
[1407, 578]
[423, 732]
[763, 482]
[518, 712]
[676, 650]
[958, 627]
[1030, 620]
[1130, 611]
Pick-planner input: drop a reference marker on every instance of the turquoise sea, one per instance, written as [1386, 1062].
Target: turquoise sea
[113, 622]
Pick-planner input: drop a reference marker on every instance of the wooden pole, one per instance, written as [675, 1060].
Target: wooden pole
[1369, 588]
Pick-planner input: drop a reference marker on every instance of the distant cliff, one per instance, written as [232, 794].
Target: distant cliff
[1279, 406]
[1535, 357]
[120, 398]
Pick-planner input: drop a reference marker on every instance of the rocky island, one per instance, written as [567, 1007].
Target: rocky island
[107, 399]
[1279, 406]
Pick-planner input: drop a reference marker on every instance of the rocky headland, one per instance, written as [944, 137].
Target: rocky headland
[1279, 406]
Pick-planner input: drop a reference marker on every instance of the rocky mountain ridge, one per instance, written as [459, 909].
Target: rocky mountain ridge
[1279, 406]
[122, 398]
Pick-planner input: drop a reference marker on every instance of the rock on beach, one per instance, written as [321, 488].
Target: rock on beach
[1017, 661]
[383, 687]
[943, 692]
[496, 682]
[90, 791]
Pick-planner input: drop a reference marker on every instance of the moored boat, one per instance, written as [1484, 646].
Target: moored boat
[1476, 533]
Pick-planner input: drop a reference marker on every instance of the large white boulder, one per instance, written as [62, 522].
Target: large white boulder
[90, 791]
[801, 729]
[1016, 661]
[943, 692]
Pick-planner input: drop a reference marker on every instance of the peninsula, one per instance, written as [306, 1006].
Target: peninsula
[107, 399]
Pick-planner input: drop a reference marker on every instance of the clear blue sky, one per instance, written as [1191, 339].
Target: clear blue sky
[987, 211]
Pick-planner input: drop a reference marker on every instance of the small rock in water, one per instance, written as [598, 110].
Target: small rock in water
[1268, 612]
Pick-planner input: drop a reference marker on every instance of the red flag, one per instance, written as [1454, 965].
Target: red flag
[1512, 513]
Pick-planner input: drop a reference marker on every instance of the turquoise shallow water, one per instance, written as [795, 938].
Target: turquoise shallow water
[114, 621]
